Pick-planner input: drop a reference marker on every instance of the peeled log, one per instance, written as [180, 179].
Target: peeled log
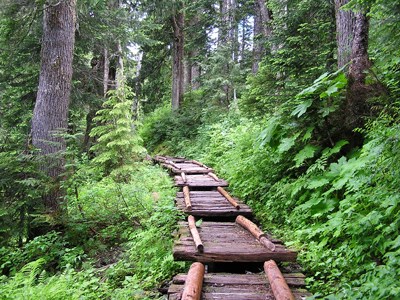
[228, 197]
[194, 282]
[255, 231]
[199, 164]
[183, 175]
[278, 284]
[213, 176]
[186, 196]
[195, 234]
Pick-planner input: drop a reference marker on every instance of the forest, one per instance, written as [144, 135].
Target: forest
[295, 102]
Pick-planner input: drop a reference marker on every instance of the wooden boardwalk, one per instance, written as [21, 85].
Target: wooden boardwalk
[226, 242]
[211, 204]
[203, 195]
[238, 286]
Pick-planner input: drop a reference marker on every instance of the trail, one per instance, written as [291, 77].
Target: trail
[233, 258]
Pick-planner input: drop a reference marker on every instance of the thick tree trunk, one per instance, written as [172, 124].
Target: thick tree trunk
[177, 61]
[51, 109]
[358, 92]
[345, 22]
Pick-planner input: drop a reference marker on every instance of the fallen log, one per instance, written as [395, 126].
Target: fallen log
[228, 197]
[186, 196]
[278, 284]
[195, 234]
[194, 282]
[255, 231]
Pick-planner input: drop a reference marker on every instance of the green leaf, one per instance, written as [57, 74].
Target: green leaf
[304, 154]
[302, 108]
[199, 222]
[287, 143]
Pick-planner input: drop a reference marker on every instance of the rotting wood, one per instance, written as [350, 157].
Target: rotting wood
[255, 231]
[213, 176]
[228, 197]
[194, 282]
[183, 175]
[277, 282]
[186, 195]
[195, 234]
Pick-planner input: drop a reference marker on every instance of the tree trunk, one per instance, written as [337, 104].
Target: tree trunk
[51, 109]
[345, 22]
[258, 45]
[266, 18]
[358, 92]
[177, 61]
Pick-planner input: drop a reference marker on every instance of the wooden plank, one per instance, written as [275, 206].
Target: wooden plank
[235, 286]
[292, 279]
[211, 203]
[224, 243]
[199, 180]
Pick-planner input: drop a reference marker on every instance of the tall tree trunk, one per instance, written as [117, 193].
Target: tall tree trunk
[258, 42]
[177, 61]
[106, 72]
[51, 109]
[345, 22]
[358, 92]
[266, 18]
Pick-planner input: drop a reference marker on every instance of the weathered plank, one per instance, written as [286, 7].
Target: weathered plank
[226, 243]
[211, 204]
[238, 286]
[199, 180]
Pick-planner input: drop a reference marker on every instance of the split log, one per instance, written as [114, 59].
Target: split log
[186, 196]
[184, 177]
[256, 232]
[228, 197]
[278, 284]
[195, 234]
[194, 282]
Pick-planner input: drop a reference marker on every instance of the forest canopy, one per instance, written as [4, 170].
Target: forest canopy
[294, 102]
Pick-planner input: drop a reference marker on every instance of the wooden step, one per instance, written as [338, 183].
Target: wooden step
[211, 204]
[226, 242]
[199, 180]
[224, 286]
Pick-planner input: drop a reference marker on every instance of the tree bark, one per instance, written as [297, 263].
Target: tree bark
[345, 22]
[177, 61]
[51, 108]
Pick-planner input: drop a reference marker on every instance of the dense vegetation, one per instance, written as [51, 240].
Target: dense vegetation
[267, 107]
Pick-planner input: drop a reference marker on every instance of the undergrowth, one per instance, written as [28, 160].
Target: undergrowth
[117, 244]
